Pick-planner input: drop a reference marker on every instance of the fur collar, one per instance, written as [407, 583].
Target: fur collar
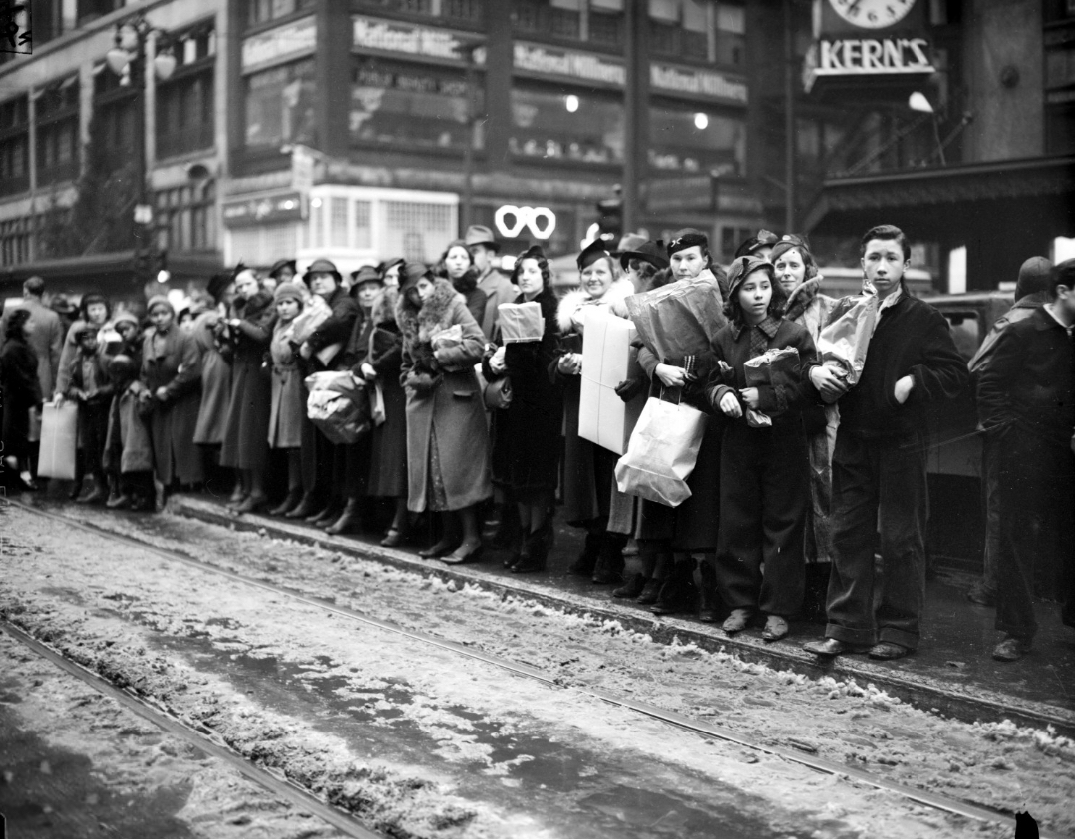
[801, 298]
[419, 325]
[568, 312]
[384, 307]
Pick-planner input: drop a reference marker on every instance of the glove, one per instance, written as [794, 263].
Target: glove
[628, 389]
[422, 383]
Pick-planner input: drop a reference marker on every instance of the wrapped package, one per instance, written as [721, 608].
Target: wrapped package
[607, 360]
[338, 405]
[777, 368]
[521, 323]
[680, 319]
[843, 343]
[449, 338]
[59, 441]
[313, 314]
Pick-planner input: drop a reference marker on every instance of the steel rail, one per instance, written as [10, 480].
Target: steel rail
[208, 741]
[830, 767]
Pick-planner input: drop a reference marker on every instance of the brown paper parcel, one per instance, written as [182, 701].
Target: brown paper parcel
[521, 323]
[679, 319]
[607, 360]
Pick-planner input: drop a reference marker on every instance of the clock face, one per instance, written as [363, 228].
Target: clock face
[872, 14]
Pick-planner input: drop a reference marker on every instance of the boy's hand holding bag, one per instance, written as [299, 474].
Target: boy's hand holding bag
[844, 342]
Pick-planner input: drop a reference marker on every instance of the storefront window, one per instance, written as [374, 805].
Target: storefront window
[280, 105]
[696, 141]
[403, 105]
[262, 11]
[576, 127]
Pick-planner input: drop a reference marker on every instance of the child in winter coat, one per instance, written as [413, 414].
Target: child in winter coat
[128, 456]
[764, 490]
[88, 382]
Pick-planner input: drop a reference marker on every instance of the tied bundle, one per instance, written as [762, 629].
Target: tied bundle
[776, 369]
[338, 405]
[843, 343]
[449, 339]
[521, 323]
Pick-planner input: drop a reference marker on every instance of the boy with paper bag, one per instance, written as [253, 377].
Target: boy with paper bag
[844, 342]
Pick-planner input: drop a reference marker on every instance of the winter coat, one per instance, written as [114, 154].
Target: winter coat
[584, 500]
[68, 353]
[388, 466]
[288, 405]
[46, 340]
[444, 401]
[173, 364]
[246, 429]
[1024, 307]
[76, 379]
[128, 435]
[498, 289]
[526, 438]
[20, 390]
[216, 383]
[337, 329]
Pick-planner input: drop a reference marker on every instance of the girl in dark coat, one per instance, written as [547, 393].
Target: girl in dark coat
[527, 434]
[171, 372]
[21, 391]
[248, 331]
[764, 488]
[457, 266]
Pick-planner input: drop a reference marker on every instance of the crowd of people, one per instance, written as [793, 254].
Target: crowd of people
[812, 470]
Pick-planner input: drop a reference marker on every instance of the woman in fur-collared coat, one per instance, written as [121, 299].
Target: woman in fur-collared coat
[447, 432]
[588, 482]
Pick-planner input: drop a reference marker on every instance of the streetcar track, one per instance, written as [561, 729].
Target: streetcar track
[206, 740]
[705, 730]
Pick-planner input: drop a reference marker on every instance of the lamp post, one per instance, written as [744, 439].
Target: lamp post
[134, 51]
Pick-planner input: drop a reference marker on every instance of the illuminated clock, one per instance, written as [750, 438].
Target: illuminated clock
[872, 14]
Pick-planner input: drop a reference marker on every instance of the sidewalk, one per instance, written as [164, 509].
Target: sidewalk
[952, 673]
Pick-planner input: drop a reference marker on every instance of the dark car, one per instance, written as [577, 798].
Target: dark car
[956, 533]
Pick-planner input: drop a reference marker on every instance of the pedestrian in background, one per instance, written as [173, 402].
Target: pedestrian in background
[94, 310]
[526, 436]
[1026, 399]
[128, 448]
[447, 432]
[20, 387]
[287, 407]
[247, 331]
[457, 266]
[215, 354]
[879, 464]
[484, 249]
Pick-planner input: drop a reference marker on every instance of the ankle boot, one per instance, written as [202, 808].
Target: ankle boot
[610, 561]
[306, 506]
[97, 494]
[350, 519]
[632, 588]
[650, 592]
[536, 551]
[289, 503]
[591, 550]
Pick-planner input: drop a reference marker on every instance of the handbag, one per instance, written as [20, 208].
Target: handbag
[498, 393]
[662, 452]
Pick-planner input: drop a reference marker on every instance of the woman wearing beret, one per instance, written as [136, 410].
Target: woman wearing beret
[447, 432]
[588, 483]
[287, 407]
[245, 446]
[527, 433]
[171, 372]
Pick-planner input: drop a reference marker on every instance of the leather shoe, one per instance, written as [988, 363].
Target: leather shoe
[834, 646]
[737, 621]
[307, 506]
[632, 588]
[650, 592]
[889, 651]
[252, 503]
[442, 548]
[349, 520]
[981, 596]
[465, 553]
[775, 628]
[291, 500]
[393, 538]
[1011, 649]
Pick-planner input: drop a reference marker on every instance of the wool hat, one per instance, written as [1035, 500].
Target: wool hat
[322, 266]
[591, 253]
[1033, 276]
[411, 274]
[126, 317]
[280, 264]
[788, 242]
[288, 291]
[479, 234]
[742, 267]
[764, 239]
[689, 237]
[159, 300]
[651, 252]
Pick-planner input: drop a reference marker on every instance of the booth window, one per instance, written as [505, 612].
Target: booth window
[544, 128]
[279, 105]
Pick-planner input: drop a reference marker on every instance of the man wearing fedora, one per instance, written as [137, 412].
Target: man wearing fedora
[498, 289]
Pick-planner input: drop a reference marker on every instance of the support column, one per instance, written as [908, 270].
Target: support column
[332, 71]
[499, 63]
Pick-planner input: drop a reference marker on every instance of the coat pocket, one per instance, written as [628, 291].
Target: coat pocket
[464, 394]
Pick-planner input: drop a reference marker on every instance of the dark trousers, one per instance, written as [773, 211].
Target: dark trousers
[92, 431]
[878, 484]
[764, 496]
[991, 459]
[1036, 484]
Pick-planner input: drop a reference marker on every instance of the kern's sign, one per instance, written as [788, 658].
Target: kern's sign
[866, 57]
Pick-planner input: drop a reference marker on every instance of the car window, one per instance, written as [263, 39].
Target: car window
[966, 331]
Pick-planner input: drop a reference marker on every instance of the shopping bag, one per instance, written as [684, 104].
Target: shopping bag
[59, 441]
[679, 319]
[521, 323]
[777, 368]
[662, 453]
[313, 314]
[844, 342]
[338, 405]
[608, 359]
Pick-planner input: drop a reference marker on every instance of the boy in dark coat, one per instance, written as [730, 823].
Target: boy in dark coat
[879, 463]
[1026, 401]
[128, 456]
[88, 382]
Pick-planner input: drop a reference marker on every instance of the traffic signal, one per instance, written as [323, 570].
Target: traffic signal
[610, 219]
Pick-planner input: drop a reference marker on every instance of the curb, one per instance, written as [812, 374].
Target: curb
[917, 691]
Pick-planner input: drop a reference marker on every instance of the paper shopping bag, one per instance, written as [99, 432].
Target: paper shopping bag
[59, 442]
[843, 343]
[662, 453]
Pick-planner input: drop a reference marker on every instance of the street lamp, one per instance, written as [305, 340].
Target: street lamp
[133, 51]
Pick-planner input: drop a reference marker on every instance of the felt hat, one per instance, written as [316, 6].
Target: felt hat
[764, 239]
[322, 266]
[159, 300]
[591, 253]
[280, 264]
[1033, 276]
[61, 305]
[651, 252]
[688, 237]
[628, 242]
[288, 291]
[479, 234]
[365, 274]
[742, 267]
[411, 274]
